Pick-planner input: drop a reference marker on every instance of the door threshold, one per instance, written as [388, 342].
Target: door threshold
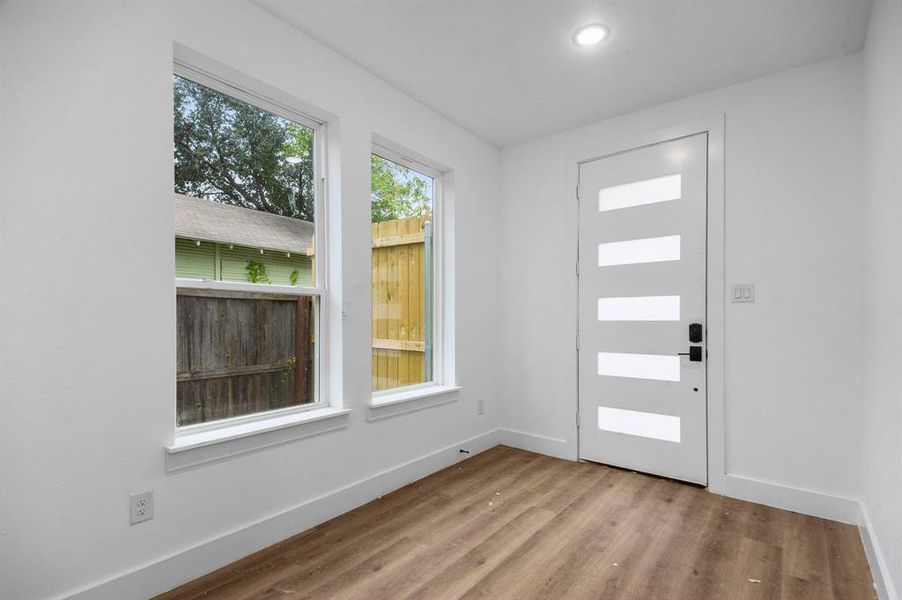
[628, 470]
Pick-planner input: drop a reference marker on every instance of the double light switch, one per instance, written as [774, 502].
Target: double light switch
[742, 292]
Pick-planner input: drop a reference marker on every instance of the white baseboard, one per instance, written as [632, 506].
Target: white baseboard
[883, 581]
[818, 504]
[166, 573]
[809, 502]
[533, 442]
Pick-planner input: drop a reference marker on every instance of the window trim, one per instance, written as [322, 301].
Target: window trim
[410, 393]
[440, 369]
[245, 92]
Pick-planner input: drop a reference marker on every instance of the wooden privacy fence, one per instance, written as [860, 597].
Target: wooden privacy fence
[402, 303]
[238, 353]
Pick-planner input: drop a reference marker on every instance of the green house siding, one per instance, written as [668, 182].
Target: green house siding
[279, 266]
[195, 261]
[229, 263]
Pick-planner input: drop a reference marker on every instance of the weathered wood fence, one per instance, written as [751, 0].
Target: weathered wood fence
[238, 353]
[400, 320]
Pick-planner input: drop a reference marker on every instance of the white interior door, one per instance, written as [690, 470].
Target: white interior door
[642, 224]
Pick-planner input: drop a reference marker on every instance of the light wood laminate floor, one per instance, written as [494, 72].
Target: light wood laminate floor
[513, 524]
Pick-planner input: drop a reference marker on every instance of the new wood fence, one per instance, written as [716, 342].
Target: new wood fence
[399, 302]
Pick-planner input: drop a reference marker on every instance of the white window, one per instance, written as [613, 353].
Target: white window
[249, 244]
[407, 275]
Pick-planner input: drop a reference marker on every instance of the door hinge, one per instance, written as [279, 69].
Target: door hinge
[577, 192]
[577, 340]
[577, 420]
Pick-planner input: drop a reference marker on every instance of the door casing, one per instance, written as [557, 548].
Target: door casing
[715, 294]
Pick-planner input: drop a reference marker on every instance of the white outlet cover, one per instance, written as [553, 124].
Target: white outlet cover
[140, 507]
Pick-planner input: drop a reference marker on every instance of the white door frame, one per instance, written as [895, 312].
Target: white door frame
[715, 295]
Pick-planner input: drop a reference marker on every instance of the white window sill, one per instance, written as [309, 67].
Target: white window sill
[418, 393]
[408, 400]
[190, 449]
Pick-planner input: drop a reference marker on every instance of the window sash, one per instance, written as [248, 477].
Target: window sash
[410, 163]
[320, 260]
[250, 288]
[224, 86]
[438, 272]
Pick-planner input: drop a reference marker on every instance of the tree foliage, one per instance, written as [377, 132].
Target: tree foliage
[235, 153]
[397, 192]
[232, 152]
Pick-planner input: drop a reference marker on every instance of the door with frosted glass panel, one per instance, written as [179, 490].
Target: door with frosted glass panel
[642, 336]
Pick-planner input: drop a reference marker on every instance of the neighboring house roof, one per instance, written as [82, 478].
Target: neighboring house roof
[207, 220]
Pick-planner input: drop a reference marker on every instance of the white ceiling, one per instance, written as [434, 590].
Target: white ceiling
[509, 71]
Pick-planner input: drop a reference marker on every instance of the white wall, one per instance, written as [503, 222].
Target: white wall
[794, 227]
[882, 398]
[87, 290]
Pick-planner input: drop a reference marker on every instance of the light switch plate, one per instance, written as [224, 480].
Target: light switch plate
[742, 292]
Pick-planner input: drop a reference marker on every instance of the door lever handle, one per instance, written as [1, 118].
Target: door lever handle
[694, 354]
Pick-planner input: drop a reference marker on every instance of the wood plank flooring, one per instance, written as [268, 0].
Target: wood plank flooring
[513, 524]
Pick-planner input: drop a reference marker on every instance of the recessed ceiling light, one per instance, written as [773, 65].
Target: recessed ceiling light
[589, 35]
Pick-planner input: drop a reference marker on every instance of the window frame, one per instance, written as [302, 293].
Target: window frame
[440, 369]
[245, 92]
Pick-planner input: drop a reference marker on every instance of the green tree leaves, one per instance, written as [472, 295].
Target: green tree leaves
[235, 153]
[232, 152]
[397, 192]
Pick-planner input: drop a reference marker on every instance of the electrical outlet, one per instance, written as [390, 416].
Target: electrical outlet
[140, 507]
[480, 407]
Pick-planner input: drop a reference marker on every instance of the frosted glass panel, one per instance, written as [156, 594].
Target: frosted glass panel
[639, 308]
[639, 366]
[646, 250]
[643, 424]
[650, 191]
